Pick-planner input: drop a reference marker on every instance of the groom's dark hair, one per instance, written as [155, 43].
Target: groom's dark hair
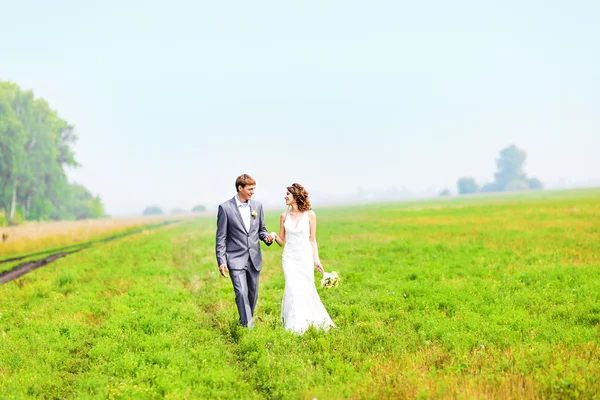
[243, 181]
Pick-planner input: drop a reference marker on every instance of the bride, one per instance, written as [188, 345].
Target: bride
[301, 306]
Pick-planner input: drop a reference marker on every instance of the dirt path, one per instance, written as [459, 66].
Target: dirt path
[29, 266]
[22, 269]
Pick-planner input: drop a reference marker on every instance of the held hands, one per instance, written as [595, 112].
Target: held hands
[273, 237]
[269, 238]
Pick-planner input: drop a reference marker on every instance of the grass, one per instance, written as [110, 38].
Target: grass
[10, 262]
[470, 298]
[35, 236]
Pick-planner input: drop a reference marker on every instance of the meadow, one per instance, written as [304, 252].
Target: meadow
[33, 236]
[479, 297]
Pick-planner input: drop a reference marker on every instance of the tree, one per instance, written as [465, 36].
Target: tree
[445, 193]
[13, 165]
[489, 187]
[35, 147]
[153, 210]
[82, 204]
[178, 210]
[535, 184]
[517, 185]
[510, 167]
[199, 208]
[467, 185]
[510, 175]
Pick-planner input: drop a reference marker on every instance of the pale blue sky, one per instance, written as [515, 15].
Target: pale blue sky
[173, 100]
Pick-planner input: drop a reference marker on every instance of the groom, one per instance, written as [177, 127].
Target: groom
[240, 224]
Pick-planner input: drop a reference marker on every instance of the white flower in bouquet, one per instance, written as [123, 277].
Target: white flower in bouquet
[330, 279]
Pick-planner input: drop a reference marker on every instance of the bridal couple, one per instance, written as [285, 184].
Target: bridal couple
[240, 226]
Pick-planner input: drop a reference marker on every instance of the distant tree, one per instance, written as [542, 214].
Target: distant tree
[178, 211]
[510, 167]
[199, 208]
[489, 187]
[517, 185]
[74, 201]
[535, 184]
[467, 185]
[82, 204]
[510, 175]
[153, 210]
[445, 193]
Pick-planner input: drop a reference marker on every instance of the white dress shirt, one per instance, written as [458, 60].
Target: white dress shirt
[244, 209]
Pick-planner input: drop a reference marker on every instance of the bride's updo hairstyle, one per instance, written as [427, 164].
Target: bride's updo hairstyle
[301, 196]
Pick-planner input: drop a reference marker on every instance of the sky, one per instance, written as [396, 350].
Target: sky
[173, 100]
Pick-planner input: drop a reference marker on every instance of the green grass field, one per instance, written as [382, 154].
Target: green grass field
[481, 297]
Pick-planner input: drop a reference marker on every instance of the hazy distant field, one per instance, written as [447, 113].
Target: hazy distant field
[481, 297]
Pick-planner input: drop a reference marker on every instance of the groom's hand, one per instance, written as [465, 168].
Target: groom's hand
[269, 239]
[223, 270]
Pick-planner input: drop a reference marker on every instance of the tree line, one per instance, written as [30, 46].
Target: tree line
[156, 210]
[509, 176]
[35, 148]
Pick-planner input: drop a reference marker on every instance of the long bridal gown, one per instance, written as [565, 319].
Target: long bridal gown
[301, 306]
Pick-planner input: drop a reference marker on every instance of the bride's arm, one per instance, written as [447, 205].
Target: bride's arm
[280, 239]
[313, 240]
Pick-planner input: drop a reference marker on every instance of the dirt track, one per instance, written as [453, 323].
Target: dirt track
[22, 269]
[29, 266]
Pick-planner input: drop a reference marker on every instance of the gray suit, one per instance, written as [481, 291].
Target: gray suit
[240, 250]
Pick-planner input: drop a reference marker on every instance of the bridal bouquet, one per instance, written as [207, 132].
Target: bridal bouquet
[330, 280]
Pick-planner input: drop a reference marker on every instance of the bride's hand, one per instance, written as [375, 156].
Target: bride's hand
[319, 267]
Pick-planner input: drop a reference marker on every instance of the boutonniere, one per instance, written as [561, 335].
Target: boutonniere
[254, 214]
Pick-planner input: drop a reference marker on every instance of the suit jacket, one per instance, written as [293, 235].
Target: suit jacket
[234, 244]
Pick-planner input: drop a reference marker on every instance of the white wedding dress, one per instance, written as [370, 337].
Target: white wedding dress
[301, 306]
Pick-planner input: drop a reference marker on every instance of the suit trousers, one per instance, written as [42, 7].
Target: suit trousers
[245, 286]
